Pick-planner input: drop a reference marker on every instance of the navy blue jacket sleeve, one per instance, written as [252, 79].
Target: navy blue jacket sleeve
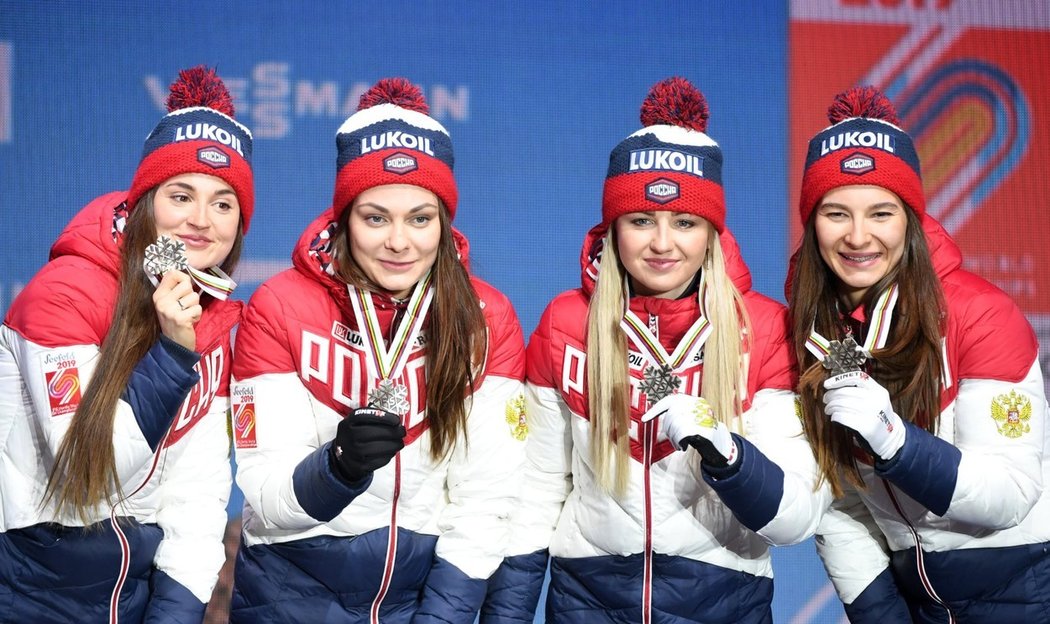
[753, 492]
[320, 492]
[170, 602]
[880, 603]
[926, 469]
[514, 590]
[158, 385]
[450, 596]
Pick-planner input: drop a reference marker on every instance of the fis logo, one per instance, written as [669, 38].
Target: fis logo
[661, 191]
[213, 157]
[857, 164]
[400, 163]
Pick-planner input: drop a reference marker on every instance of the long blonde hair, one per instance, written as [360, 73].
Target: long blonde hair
[608, 385]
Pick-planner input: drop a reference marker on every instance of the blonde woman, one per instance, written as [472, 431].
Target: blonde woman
[664, 452]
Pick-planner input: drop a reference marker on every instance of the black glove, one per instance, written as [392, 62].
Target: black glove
[367, 439]
[708, 453]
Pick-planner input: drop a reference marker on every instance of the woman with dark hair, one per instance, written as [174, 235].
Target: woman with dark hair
[114, 455]
[378, 409]
[921, 391]
[664, 454]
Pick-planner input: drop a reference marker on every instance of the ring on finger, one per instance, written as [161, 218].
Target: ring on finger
[181, 307]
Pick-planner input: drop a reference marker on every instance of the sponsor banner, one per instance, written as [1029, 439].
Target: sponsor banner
[969, 85]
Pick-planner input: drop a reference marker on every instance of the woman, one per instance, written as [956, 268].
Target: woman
[664, 454]
[932, 375]
[377, 396]
[114, 456]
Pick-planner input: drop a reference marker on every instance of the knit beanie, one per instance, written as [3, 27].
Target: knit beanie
[864, 145]
[671, 163]
[198, 135]
[392, 139]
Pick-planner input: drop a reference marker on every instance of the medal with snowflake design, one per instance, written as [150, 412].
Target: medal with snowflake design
[165, 255]
[658, 382]
[390, 397]
[844, 356]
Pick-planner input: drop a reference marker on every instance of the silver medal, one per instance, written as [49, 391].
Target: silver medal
[658, 382]
[165, 255]
[389, 396]
[844, 356]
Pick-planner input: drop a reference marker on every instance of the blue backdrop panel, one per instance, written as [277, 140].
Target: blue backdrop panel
[534, 95]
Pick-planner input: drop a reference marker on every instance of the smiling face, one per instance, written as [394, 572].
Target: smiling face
[860, 231]
[661, 250]
[202, 212]
[394, 232]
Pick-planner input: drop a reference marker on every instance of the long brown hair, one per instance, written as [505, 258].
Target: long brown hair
[456, 331]
[84, 473]
[909, 366]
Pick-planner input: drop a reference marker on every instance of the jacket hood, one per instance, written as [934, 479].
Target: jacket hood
[590, 256]
[91, 234]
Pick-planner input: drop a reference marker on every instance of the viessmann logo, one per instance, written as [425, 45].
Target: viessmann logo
[271, 98]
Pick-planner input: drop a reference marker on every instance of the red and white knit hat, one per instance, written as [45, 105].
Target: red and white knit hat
[198, 135]
[671, 163]
[864, 145]
[392, 139]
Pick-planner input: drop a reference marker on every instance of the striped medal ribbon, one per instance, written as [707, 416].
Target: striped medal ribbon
[659, 376]
[383, 363]
[170, 255]
[843, 356]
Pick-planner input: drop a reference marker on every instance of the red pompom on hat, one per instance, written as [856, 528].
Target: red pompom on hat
[198, 135]
[671, 163]
[864, 145]
[392, 139]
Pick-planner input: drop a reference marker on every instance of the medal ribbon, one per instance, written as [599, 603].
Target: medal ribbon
[650, 347]
[212, 281]
[388, 363]
[878, 329]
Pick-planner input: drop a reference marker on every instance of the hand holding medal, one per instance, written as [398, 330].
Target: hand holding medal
[851, 397]
[175, 301]
[686, 420]
[845, 356]
[369, 437]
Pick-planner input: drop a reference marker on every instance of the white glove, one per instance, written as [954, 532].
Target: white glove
[857, 401]
[689, 421]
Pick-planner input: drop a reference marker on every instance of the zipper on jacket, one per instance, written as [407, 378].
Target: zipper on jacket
[648, 435]
[920, 564]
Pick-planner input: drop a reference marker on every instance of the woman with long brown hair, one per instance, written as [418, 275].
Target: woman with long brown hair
[114, 456]
[377, 405]
[921, 391]
[664, 454]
